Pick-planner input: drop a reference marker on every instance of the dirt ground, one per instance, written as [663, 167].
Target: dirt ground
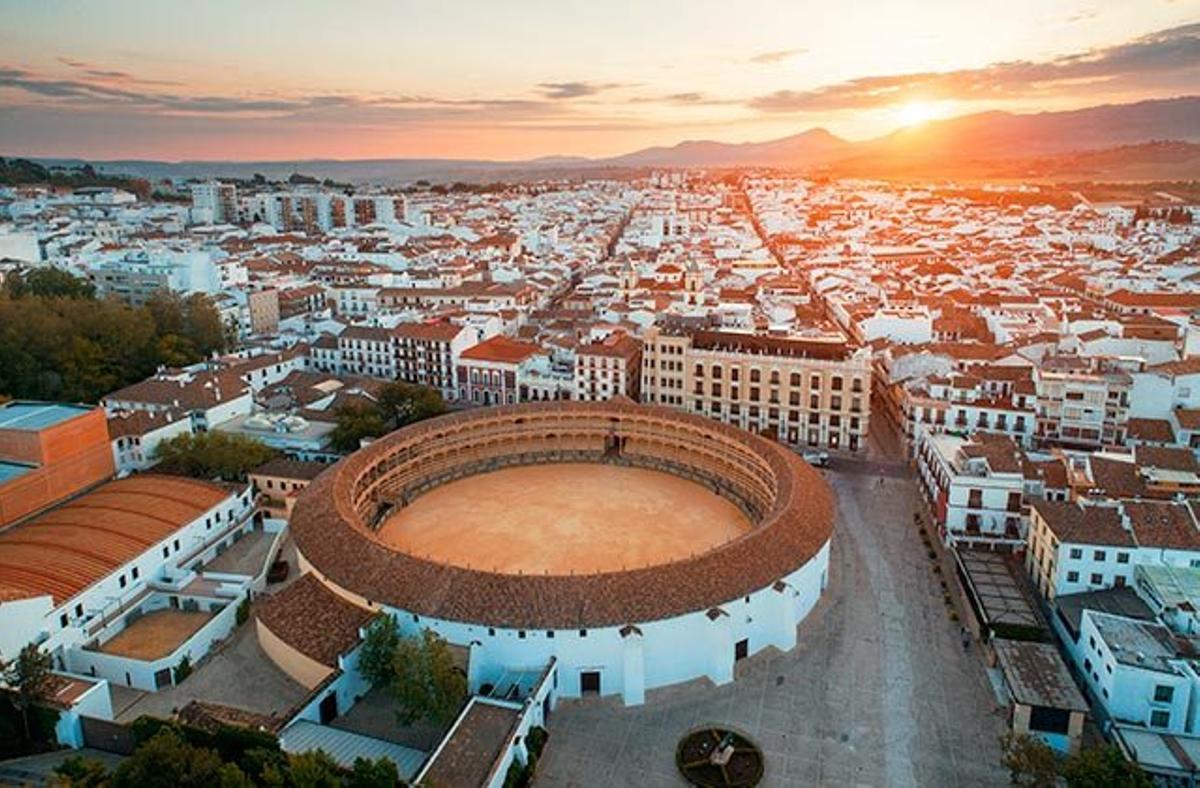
[155, 634]
[564, 518]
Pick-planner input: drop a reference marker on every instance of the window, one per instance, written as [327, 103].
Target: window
[121, 581]
[134, 573]
[1160, 718]
[1098, 555]
[62, 620]
[1076, 553]
[1097, 579]
[1122, 558]
[550, 633]
[837, 383]
[583, 633]
[1072, 577]
[975, 499]
[1163, 694]
[521, 634]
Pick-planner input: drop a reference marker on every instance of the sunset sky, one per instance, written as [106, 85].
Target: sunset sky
[514, 80]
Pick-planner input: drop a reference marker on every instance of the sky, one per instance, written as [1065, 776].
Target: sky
[519, 79]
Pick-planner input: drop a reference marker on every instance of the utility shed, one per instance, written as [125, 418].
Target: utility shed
[1045, 701]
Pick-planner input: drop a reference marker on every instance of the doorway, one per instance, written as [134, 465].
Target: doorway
[589, 682]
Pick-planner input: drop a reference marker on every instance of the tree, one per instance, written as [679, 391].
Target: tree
[355, 421]
[206, 455]
[29, 675]
[379, 773]
[314, 769]
[405, 403]
[1030, 762]
[427, 684]
[47, 282]
[166, 760]
[378, 652]
[80, 772]
[1103, 766]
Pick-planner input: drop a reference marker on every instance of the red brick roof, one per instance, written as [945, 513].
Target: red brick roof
[501, 348]
[1078, 524]
[313, 620]
[72, 546]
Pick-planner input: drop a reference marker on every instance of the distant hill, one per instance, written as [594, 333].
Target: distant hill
[988, 144]
[809, 148]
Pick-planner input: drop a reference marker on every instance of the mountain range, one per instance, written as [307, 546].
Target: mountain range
[1120, 141]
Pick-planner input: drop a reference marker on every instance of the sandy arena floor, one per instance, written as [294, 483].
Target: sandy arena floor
[564, 518]
[155, 634]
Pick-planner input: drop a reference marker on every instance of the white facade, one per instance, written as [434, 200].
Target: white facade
[630, 659]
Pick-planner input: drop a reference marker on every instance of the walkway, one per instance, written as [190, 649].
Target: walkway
[878, 692]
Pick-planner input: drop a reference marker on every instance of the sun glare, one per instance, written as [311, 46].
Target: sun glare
[915, 113]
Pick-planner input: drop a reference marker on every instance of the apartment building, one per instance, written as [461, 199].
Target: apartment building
[608, 368]
[426, 353]
[1077, 547]
[367, 350]
[1082, 403]
[804, 392]
[976, 488]
[214, 202]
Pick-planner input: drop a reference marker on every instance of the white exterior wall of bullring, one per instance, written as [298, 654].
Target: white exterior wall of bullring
[667, 651]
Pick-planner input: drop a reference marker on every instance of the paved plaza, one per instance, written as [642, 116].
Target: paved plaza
[878, 692]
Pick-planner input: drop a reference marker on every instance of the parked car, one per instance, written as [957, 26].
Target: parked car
[820, 459]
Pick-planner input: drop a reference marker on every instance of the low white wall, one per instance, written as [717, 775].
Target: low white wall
[669, 651]
[140, 673]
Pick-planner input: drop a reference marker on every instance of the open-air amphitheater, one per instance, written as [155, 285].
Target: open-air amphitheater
[637, 546]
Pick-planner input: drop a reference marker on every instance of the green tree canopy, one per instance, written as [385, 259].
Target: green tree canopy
[29, 675]
[397, 405]
[378, 651]
[1030, 762]
[355, 421]
[167, 761]
[59, 343]
[47, 282]
[1103, 766]
[405, 403]
[207, 455]
[427, 683]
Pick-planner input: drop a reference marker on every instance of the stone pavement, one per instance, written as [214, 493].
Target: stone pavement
[878, 692]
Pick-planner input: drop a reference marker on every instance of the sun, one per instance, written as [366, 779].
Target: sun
[914, 113]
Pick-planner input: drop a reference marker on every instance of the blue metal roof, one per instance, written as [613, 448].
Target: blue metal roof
[344, 746]
[35, 416]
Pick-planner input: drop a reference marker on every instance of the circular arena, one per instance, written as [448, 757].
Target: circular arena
[635, 546]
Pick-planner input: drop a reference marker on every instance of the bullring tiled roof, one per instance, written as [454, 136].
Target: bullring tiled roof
[332, 537]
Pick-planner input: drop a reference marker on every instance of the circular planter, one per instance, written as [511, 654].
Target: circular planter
[693, 756]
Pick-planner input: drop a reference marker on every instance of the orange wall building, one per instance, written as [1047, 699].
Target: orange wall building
[48, 452]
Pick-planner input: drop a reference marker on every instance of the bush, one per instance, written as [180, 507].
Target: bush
[183, 669]
[535, 741]
[243, 611]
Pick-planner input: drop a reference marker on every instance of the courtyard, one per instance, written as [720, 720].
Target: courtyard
[156, 634]
[879, 690]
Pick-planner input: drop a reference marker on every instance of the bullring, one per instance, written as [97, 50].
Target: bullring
[687, 613]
